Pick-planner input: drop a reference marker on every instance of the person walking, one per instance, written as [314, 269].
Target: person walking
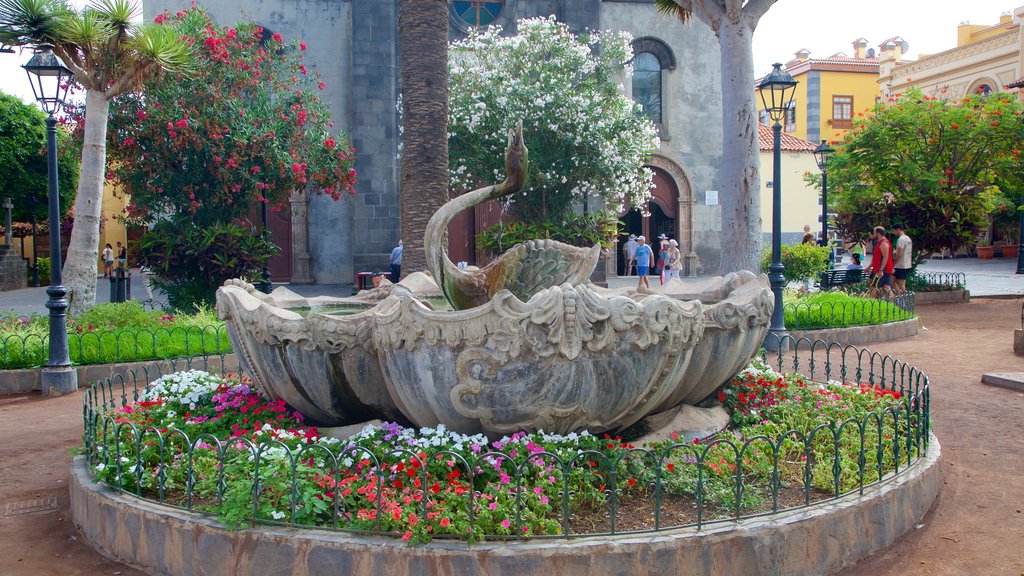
[122, 256]
[808, 235]
[880, 271]
[644, 255]
[396, 262]
[902, 258]
[629, 250]
[675, 261]
[108, 261]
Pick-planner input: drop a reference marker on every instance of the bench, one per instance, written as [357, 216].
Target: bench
[839, 277]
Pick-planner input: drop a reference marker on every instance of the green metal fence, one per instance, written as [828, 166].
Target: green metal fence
[120, 345]
[190, 472]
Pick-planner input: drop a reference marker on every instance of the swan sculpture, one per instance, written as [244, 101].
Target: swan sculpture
[524, 270]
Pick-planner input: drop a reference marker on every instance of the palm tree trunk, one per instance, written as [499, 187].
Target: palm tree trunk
[741, 195]
[423, 53]
[80, 264]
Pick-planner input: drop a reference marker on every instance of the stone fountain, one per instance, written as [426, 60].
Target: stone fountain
[527, 343]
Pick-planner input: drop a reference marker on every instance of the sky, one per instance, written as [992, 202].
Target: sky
[822, 26]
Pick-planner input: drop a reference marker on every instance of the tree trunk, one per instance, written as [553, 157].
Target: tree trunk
[741, 187]
[80, 263]
[423, 53]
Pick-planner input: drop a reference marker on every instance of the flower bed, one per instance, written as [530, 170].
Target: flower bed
[215, 445]
[110, 333]
[810, 311]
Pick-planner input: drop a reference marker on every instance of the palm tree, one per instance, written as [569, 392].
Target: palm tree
[423, 39]
[109, 55]
[733, 22]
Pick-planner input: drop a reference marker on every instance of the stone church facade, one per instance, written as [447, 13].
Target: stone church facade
[353, 45]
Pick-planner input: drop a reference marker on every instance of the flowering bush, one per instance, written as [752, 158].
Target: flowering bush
[587, 140]
[216, 444]
[244, 125]
[197, 151]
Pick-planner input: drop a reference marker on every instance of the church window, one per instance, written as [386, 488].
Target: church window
[647, 84]
[478, 12]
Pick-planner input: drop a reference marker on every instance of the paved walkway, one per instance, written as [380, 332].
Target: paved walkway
[33, 300]
[995, 277]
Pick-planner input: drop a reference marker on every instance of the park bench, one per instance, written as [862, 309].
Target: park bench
[839, 277]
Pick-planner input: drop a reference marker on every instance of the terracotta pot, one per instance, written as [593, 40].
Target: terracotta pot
[986, 252]
[1009, 250]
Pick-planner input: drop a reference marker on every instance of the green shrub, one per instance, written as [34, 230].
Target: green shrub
[189, 263]
[802, 261]
[839, 310]
[586, 230]
[44, 271]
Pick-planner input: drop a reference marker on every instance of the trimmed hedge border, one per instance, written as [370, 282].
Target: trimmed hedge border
[944, 297]
[860, 335]
[24, 380]
[812, 541]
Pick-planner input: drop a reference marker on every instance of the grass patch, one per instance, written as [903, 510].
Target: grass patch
[840, 310]
[109, 333]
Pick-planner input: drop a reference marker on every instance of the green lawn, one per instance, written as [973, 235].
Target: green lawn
[840, 310]
[111, 333]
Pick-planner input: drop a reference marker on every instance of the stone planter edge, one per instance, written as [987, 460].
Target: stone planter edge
[815, 541]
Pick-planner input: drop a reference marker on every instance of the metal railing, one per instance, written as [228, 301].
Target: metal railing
[118, 345]
[937, 281]
[631, 491]
[864, 311]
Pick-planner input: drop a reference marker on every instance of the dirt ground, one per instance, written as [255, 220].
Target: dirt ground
[975, 528]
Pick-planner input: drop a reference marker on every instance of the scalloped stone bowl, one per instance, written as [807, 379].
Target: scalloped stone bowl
[571, 358]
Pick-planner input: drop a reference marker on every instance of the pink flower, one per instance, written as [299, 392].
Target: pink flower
[505, 523]
[329, 143]
[277, 37]
[302, 45]
[160, 18]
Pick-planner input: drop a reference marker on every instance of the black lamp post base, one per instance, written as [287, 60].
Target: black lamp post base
[777, 341]
[59, 381]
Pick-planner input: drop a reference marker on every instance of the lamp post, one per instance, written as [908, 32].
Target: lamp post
[265, 274]
[777, 90]
[50, 81]
[821, 154]
[35, 241]
[1020, 246]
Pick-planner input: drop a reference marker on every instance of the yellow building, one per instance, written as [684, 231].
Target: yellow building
[112, 230]
[987, 58]
[831, 91]
[801, 202]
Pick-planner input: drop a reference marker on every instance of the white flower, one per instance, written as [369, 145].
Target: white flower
[277, 515]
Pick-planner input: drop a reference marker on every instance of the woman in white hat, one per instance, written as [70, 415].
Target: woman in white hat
[675, 261]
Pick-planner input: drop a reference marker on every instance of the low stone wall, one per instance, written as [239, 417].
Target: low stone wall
[28, 379]
[813, 541]
[860, 335]
[944, 297]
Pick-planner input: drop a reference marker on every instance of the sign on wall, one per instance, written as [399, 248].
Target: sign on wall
[711, 198]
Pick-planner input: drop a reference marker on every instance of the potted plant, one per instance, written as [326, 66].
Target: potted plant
[1009, 248]
[985, 249]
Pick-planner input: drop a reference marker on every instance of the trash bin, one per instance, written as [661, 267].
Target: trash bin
[120, 286]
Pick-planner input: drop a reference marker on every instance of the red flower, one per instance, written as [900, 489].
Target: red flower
[183, 123]
[302, 46]
[140, 114]
[303, 69]
[721, 396]
[322, 85]
[632, 482]
[444, 521]
[277, 37]
[329, 143]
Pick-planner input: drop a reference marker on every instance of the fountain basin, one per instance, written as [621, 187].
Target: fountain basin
[571, 358]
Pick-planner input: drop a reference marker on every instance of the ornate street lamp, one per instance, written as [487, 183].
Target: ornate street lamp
[777, 90]
[50, 82]
[821, 154]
